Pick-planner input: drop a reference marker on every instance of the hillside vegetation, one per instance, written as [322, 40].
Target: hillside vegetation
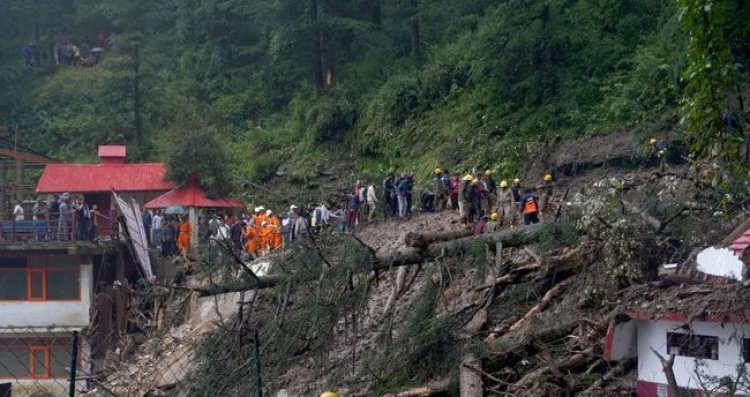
[381, 84]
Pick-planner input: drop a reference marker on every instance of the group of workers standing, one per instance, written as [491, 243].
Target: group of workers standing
[479, 198]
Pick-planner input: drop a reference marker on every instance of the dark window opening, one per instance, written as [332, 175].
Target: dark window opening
[40, 278]
[34, 358]
[691, 345]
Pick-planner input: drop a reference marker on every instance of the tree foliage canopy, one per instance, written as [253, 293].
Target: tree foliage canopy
[392, 83]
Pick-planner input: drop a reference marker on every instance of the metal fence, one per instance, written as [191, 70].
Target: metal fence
[54, 227]
[42, 362]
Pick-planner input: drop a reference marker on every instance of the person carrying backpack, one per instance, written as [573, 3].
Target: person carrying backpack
[529, 206]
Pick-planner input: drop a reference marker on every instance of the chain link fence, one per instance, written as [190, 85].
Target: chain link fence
[42, 362]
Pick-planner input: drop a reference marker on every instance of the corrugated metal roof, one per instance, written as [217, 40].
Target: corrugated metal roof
[191, 195]
[88, 178]
[112, 151]
[739, 245]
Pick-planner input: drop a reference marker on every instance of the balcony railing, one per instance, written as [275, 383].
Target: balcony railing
[54, 227]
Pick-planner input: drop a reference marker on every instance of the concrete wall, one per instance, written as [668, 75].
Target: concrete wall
[654, 334]
[62, 314]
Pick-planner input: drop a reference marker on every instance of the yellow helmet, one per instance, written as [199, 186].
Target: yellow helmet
[488, 172]
[494, 216]
[516, 181]
[548, 178]
[329, 394]
[503, 183]
[467, 177]
[475, 181]
[652, 141]
[438, 171]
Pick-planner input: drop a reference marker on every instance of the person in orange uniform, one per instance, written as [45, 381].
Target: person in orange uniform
[258, 219]
[276, 232]
[184, 230]
[265, 236]
[251, 245]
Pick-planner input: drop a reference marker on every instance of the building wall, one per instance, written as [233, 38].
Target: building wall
[654, 334]
[42, 314]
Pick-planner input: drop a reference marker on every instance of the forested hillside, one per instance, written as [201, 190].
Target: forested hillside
[382, 83]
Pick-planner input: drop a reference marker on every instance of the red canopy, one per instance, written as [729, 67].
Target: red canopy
[191, 195]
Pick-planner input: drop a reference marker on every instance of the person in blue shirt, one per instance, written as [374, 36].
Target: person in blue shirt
[529, 207]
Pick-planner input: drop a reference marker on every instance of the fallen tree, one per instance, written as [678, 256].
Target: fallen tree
[515, 237]
[418, 240]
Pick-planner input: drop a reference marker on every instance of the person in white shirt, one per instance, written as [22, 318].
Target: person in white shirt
[18, 212]
[157, 224]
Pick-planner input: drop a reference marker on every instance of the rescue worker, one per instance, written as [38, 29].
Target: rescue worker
[329, 394]
[505, 203]
[464, 198]
[277, 234]
[516, 188]
[264, 237]
[477, 196]
[251, 241]
[660, 151]
[548, 193]
[492, 225]
[184, 230]
[529, 207]
[438, 189]
[258, 219]
[490, 186]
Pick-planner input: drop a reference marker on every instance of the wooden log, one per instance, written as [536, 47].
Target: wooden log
[417, 240]
[562, 365]
[553, 292]
[622, 367]
[470, 381]
[526, 346]
[514, 237]
[437, 388]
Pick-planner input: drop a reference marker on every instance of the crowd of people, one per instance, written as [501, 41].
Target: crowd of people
[67, 51]
[251, 235]
[64, 217]
[476, 197]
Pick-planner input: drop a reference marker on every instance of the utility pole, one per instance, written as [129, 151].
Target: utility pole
[137, 116]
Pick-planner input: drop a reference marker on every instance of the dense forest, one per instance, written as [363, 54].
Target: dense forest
[238, 89]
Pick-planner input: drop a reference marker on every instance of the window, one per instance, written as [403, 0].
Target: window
[40, 278]
[34, 358]
[691, 345]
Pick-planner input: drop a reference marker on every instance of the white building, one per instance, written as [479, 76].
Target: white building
[706, 348]
[45, 294]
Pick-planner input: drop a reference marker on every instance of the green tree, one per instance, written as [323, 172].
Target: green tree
[710, 72]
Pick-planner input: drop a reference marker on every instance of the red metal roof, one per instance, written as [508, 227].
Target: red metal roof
[739, 245]
[89, 178]
[112, 151]
[191, 195]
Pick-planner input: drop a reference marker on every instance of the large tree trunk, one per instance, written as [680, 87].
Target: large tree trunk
[406, 256]
[418, 240]
[312, 13]
[416, 36]
[470, 380]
